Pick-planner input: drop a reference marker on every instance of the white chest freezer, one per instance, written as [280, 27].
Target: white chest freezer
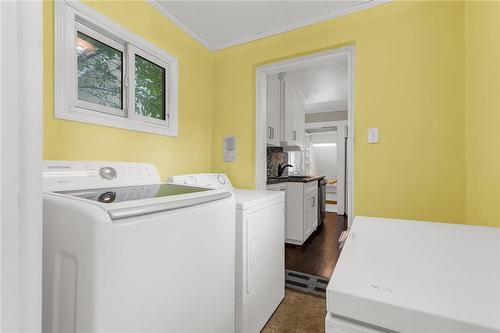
[410, 276]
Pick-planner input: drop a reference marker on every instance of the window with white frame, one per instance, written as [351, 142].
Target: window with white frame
[109, 76]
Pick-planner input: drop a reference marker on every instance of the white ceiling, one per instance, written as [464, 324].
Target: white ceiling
[221, 24]
[325, 86]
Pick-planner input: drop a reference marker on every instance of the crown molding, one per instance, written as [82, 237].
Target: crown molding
[342, 12]
[178, 23]
[338, 13]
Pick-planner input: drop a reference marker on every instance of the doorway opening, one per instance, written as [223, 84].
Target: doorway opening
[305, 62]
[327, 156]
[304, 130]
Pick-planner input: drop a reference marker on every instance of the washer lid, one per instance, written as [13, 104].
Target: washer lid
[131, 201]
[411, 276]
[131, 193]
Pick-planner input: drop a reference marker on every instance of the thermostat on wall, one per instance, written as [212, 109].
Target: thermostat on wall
[229, 148]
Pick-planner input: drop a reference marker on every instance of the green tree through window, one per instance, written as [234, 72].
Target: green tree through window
[149, 89]
[100, 69]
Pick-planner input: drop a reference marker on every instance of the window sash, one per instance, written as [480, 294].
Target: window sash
[73, 16]
[132, 51]
[79, 27]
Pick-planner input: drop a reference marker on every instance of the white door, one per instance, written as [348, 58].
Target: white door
[341, 169]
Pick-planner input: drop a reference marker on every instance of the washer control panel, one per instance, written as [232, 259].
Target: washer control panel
[65, 175]
[212, 180]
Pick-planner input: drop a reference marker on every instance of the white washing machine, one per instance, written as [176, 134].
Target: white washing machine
[260, 265]
[410, 276]
[126, 253]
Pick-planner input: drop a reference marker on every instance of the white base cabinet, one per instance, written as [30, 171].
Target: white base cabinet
[301, 211]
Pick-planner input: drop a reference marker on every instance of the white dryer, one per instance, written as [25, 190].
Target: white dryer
[260, 265]
[410, 276]
[126, 253]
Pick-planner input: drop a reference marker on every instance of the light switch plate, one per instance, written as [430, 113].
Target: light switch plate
[229, 148]
[373, 135]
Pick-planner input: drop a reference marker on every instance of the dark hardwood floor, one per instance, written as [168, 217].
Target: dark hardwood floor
[318, 255]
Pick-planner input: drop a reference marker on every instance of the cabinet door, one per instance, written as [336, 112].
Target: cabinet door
[314, 210]
[288, 115]
[294, 228]
[308, 206]
[301, 126]
[310, 211]
[294, 116]
[298, 119]
[273, 110]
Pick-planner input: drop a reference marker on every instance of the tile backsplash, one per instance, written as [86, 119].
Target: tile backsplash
[276, 156]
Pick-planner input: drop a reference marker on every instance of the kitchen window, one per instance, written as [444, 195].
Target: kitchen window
[109, 76]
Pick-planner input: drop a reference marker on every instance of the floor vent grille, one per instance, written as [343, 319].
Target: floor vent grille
[307, 283]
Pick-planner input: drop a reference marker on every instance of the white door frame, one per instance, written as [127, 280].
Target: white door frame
[341, 170]
[260, 126]
[21, 111]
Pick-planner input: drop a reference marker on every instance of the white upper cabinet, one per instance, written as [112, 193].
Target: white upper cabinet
[293, 116]
[285, 113]
[273, 110]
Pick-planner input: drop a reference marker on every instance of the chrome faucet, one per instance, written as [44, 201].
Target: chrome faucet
[281, 168]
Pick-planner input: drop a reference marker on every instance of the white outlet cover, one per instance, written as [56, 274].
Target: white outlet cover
[373, 135]
[229, 148]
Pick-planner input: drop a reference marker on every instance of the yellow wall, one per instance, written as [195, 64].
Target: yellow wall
[409, 83]
[427, 75]
[188, 153]
[482, 117]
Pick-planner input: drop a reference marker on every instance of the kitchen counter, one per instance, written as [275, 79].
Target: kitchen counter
[293, 179]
